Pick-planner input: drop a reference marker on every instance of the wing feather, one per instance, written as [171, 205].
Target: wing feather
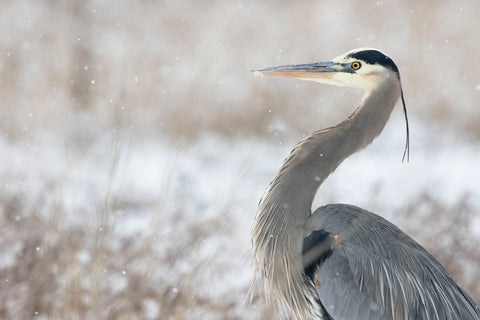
[379, 272]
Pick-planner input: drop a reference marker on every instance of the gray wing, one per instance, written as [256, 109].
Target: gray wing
[339, 293]
[370, 269]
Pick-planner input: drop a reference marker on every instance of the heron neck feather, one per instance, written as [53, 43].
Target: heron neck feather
[279, 227]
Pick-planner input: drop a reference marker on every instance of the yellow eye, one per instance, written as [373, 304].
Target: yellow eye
[356, 65]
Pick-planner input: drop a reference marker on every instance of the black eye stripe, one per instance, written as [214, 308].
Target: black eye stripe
[374, 57]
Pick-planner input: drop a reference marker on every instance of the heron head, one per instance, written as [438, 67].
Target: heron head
[361, 68]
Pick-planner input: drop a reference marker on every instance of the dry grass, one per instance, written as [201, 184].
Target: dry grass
[181, 69]
[55, 271]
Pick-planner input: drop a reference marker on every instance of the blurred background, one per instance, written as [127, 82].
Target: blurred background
[135, 144]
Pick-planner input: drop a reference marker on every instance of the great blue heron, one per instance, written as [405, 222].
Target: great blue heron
[343, 262]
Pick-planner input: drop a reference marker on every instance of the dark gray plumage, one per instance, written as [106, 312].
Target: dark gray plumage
[342, 262]
[378, 272]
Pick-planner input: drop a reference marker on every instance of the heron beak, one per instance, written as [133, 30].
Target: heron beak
[311, 71]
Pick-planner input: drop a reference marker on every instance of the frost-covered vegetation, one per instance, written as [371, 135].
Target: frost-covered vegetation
[135, 145]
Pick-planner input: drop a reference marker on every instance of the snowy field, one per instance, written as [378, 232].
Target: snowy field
[172, 222]
[136, 144]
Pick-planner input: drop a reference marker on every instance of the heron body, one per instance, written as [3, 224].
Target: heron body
[343, 262]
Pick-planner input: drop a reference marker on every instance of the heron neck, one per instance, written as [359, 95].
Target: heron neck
[286, 205]
[318, 155]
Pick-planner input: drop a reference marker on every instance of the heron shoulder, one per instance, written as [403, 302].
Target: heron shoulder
[342, 218]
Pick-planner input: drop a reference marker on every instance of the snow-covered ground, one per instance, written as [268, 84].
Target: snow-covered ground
[178, 215]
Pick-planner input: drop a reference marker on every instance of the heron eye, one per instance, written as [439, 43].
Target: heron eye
[356, 65]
